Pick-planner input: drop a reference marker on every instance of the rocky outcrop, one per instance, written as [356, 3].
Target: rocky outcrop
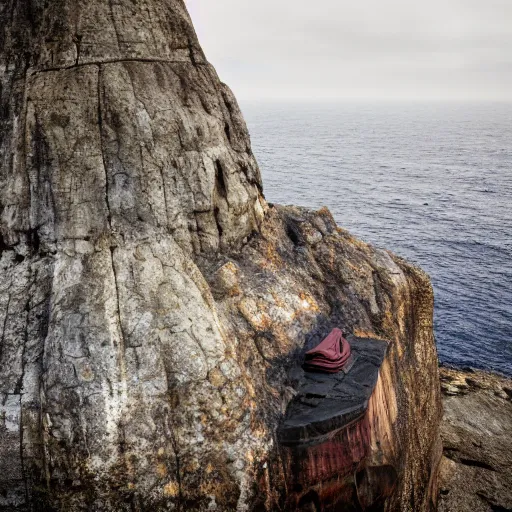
[285, 291]
[151, 302]
[113, 121]
[476, 469]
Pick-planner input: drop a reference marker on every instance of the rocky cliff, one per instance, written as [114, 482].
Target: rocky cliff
[152, 304]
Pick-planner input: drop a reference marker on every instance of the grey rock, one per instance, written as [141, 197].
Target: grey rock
[476, 469]
[151, 303]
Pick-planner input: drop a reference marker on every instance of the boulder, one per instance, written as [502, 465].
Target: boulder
[476, 468]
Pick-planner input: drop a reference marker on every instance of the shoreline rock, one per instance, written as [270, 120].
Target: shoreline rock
[476, 468]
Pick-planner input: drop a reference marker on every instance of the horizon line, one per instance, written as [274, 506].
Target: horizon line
[376, 99]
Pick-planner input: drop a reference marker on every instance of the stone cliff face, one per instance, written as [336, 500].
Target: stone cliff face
[285, 290]
[151, 303]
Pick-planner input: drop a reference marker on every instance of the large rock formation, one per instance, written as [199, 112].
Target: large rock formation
[151, 303]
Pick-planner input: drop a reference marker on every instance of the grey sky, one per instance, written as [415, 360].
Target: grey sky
[389, 49]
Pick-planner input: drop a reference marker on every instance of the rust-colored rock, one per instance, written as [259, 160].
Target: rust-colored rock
[286, 281]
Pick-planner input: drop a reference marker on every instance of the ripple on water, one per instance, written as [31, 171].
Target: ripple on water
[376, 166]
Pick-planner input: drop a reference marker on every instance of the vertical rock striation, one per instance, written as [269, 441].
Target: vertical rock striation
[151, 303]
[122, 156]
[113, 121]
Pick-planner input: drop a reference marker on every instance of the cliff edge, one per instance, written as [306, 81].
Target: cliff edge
[152, 304]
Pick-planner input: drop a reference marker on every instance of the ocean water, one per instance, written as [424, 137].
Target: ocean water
[432, 182]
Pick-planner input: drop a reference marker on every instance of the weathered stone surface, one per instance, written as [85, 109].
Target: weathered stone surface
[476, 469]
[151, 304]
[291, 293]
[116, 139]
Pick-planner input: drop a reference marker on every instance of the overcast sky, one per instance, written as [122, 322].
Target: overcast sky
[350, 49]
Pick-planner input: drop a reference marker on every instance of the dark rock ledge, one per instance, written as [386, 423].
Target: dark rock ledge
[327, 403]
[326, 436]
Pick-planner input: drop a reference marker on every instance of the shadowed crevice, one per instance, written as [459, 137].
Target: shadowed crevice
[220, 181]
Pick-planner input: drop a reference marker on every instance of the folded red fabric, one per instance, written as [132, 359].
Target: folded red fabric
[331, 356]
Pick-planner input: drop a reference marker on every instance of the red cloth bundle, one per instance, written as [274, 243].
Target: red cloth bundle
[331, 356]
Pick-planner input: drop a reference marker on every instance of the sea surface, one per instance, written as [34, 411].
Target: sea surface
[431, 182]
